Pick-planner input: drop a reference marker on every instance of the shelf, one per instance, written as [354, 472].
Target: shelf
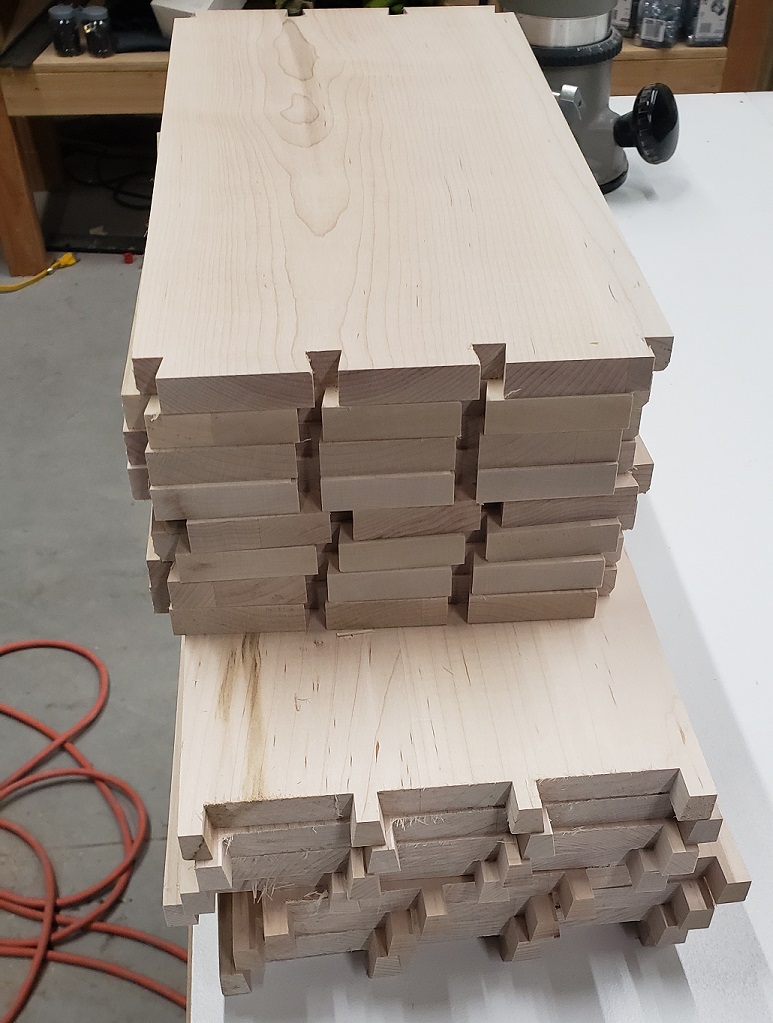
[126, 83]
[684, 68]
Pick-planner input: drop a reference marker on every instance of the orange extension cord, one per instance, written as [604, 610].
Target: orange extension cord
[57, 925]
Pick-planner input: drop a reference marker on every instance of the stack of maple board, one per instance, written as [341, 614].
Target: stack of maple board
[377, 791]
[390, 351]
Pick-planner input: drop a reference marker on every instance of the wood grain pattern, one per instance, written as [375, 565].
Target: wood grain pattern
[261, 563]
[234, 621]
[386, 614]
[513, 450]
[177, 871]
[610, 810]
[701, 832]
[288, 838]
[267, 746]
[309, 526]
[249, 952]
[406, 552]
[434, 454]
[235, 592]
[225, 500]
[80, 86]
[537, 576]
[401, 490]
[621, 504]
[543, 482]
[138, 482]
[246, 463]
[556, 540]
[485, 608]
[463, 516]
[343, 587]
[554, 415]
[359, 341]
[451, 824]
[388, 422]
[279, 426]
[376, 269]
[611, 786]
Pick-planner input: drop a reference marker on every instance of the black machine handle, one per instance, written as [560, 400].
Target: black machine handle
[652, 126]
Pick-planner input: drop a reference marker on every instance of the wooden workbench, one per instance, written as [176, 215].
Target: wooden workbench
[133, 83]
[127, 83]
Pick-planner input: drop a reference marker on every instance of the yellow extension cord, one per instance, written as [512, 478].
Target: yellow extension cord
[68, 259]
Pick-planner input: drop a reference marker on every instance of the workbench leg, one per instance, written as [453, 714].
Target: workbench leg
[20, 234]
[40, 153]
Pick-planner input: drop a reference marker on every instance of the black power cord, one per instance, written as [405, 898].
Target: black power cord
[101, 165]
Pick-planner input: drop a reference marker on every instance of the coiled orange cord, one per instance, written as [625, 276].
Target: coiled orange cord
[57, 926]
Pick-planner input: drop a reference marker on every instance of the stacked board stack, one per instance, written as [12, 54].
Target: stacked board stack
[390, 351]
[374, 792]
[387, 368]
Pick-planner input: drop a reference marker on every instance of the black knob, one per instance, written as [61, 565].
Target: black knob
[652, 126]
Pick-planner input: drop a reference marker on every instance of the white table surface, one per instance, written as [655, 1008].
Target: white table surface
[702, 229]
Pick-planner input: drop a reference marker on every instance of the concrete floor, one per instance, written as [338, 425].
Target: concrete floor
[72, 545]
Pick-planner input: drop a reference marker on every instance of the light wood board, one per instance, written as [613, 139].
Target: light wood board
[261, 563]
[510, 450]
[233, 621]
[309, 526]
[291, 725]
[401, 490]
[279, 426]
[133, 402]
[557, 540]
[235, 592]
[538, 575]
[484, 608]
[463, 516]
[620, 504]
[554, 415]
[397, 584]
[386, 614]
[245, 463]
[348, 225]
[225, 500]
[139, 483]
[377, 457]
[388, 422]
[543, 482]
[404, 552]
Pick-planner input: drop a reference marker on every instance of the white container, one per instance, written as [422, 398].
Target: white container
[167, 10]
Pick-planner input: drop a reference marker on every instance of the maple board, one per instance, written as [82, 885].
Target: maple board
[330, 700]
[345, 221]
[346, 798]
[380, 373]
